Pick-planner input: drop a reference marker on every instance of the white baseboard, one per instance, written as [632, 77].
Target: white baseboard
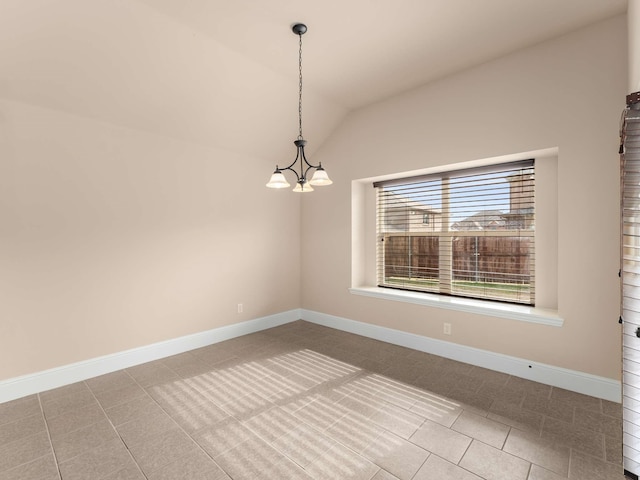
[57, 377]
[573, 380]
[576, 381]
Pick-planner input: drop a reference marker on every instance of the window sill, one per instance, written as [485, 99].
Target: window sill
[521, 313]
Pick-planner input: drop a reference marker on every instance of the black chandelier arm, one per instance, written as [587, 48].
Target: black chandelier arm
[309, 165]
[300, 156]
[291, 170]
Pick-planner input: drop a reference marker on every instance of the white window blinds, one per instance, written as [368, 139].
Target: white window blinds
[465, 233]
[630, 172]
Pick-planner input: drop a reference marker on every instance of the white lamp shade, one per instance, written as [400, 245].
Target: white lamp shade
[320, 178]
[278, 180]
[300, 188]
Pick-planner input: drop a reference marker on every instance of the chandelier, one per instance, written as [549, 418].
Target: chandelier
[320, 177]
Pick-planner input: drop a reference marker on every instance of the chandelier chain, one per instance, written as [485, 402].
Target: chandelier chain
[300, 88]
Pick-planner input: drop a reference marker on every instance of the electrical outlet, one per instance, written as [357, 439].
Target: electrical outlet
[240, 308]
[447, 329]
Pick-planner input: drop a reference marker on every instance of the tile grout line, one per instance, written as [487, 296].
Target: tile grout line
[46, 426]
[115, 429]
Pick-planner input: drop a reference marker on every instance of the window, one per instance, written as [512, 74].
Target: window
[474, 237]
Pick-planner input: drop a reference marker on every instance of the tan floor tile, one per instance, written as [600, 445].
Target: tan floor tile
[529, 387]
[490, 376]
[341, 462]
[58, 393]
[152, 373]
[396, 455]
[453, 366]
[75, 419]
[132, 409]
[463, 381]
[365, 404]
[59, 405]
[308, 396]
[21, 428]
[162, 450]
[143, 428]
[272, 424]
[438, 409]
[20, 408]
[194, 463]
[179, 394]
[613, 409]
[433, 382]
[132, 472]
[585, 467]
[534, 449]
[576, 399]
[179, 360]
[539, 473]
[598, 422]
[41, 468]
[255, 459]
[189, 370]
[215, 353]
[384, 475]
[549, 407]
[493, 464]
[292, 399]
[613, 449]
[107, 459]
[223, 437]
[215, 474]
[228, 392]
[374, 366]
[321, 413]
[87, 438]
[24, 450]
[303, 445]
[480, 404]
[442, 441]
[118, 396]
[110, 381]
[389, 390]
[354, 431]
[402, 373]
[575, 437]
[481, 428]
[397, 420]
[210, 380]
[199, 417]
[247, 406]
[438, 468]
[270, 384]
[516, 416]
[501, 393]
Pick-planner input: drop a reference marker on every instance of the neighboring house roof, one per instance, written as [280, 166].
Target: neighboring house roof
[484, 220]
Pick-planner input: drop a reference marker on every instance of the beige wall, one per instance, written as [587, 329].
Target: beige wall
[565, 94]
[112, 238]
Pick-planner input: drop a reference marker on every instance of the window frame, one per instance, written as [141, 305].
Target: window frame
[366, 294]
[444, 283]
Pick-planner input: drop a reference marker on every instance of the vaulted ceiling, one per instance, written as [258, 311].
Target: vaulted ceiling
[224, 72]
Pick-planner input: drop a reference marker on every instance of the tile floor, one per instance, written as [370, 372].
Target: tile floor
[303, 401]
